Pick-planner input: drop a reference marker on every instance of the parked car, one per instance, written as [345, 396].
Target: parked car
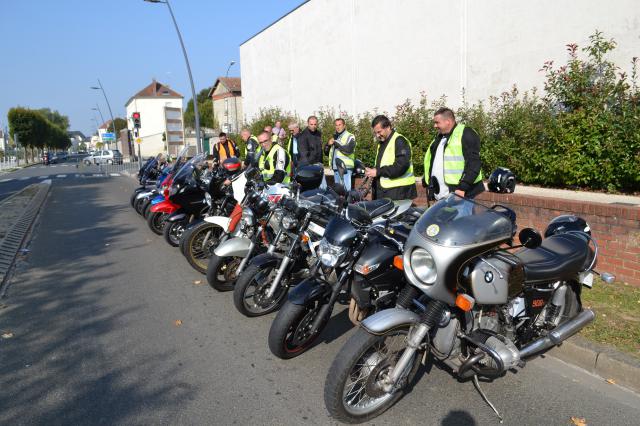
[110, 156]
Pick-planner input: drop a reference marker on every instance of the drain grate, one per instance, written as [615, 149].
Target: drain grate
[12, 242]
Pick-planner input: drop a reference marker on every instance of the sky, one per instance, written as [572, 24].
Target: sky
[52, 51]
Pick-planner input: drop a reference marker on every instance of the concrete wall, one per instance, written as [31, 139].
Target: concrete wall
[357, 55]
[152, 120]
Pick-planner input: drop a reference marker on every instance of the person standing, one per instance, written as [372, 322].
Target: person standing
[292, 143]
[251, 145]
[452, 162]
[310, 143]
[273, 161]
[342, 146]
[393, 171]
[224, 148]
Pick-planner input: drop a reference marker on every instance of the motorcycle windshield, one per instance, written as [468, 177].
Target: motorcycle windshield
[456, 221]
[187, 175]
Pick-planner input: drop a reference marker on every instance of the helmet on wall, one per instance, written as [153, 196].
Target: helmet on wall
[502, 181]
[566, 223]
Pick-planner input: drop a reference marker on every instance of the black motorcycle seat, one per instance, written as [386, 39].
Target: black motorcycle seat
[376, 208]
[559, 257]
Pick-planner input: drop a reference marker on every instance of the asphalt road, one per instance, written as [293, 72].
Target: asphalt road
[93, 310]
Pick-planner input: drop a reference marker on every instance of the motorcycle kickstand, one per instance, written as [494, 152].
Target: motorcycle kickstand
[476, 384]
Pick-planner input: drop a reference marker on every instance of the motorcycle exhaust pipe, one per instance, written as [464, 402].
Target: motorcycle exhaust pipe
[559, 334]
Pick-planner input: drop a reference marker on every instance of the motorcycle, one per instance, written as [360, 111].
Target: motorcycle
[363, 264]
[472, 304]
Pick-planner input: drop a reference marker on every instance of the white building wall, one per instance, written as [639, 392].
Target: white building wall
[152, 121]
[359, 55]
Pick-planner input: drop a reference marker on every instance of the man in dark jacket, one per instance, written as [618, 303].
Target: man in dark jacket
[393, 172]
[310, 144]
[452, 162]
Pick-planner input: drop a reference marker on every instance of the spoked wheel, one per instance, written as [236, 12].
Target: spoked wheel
[250, 292]
[200, 243]
[221, 272]
[354, 390]
[173, 231]
[290, 334]
[155, 220]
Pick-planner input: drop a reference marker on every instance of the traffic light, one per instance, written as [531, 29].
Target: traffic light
[136, 120]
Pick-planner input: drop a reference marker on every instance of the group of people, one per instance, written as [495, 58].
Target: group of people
[451, 162]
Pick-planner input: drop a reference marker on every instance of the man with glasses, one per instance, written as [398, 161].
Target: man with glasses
[273, 161]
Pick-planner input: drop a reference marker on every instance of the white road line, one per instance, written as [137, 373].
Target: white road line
[52, 166]
[78, 175]
[114, 174]
[25, 178]
[61, 176]
[5, 180]
[97, 174]
[43, 177]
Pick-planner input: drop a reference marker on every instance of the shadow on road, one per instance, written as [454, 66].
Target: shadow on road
[63, 329]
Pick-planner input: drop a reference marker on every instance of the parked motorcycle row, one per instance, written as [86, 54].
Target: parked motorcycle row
[448, 282]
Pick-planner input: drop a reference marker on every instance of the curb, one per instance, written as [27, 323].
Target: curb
[600, 360]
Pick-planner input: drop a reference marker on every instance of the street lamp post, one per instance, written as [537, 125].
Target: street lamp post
[226, 100]
[97, 108]
[113, 123]
[186, 60]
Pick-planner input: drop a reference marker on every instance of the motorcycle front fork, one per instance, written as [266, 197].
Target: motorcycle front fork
[276, 281]
[414, 340]
[245, 259]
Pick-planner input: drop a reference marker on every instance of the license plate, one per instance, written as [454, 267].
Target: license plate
[586, 278]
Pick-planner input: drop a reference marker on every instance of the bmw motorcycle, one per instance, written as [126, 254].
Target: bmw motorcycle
[473, 304]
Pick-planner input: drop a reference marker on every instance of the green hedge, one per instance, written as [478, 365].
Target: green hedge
[583, 133]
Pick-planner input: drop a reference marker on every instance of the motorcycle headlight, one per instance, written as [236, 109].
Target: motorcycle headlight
[423, 266]
[207, 198]
[289, 222]
[329, 254]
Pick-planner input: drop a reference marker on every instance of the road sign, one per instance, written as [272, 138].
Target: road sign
[108, 137]
[138, 140]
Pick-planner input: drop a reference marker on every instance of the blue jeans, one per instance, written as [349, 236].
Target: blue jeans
[346, 182]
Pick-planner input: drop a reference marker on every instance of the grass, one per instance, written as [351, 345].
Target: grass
[617, 308]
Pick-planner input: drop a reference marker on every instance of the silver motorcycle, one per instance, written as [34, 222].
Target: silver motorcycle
[474, 304]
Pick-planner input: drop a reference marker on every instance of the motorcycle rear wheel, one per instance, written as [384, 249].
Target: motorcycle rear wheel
[199, 243]
[289, 335]
[221, 273]
[173, 231]
[155, 220]
[352, 393]
[249, 292]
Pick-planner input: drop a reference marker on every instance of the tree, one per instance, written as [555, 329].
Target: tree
[205, 108]
[120, 123]
[55, 118]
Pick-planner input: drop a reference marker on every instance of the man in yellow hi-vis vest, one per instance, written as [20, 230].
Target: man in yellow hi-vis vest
[393, 170]
[452, 162]
[273, 161]
[342, 146]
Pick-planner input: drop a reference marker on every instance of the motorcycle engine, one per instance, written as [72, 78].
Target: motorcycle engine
[505, 349]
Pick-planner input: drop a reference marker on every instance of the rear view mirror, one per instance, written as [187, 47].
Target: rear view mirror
[530, 238]
[339, 188]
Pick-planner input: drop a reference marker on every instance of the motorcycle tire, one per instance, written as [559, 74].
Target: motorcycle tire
[132, 200]
[221, 272]
[185, 235]
[146, 205]
[147, 210]
[155, 220]
[138, 205]
[199, 243]
[257, 278]
[173, 231]
[289, 333]
[363, 350]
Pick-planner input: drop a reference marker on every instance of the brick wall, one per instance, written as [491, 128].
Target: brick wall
[615, 227]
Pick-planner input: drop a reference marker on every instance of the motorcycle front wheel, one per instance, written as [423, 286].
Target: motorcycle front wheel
[221, 272]
[290, 334]
[173, 232]
[139, 204]
[155, 220]
[250, 292]
[199, 243]
[353, 391]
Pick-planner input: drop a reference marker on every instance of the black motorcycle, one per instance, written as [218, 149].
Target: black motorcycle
[360, 264]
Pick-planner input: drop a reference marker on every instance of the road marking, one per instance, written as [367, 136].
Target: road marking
[25, 178]
[53, 166]
[97, 174]
[6, 180]
[78, 175]
[43, 177]
[61, 176]
[114, 174]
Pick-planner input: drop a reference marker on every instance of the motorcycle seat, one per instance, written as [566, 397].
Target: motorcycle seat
[559, 257]
[377, 208]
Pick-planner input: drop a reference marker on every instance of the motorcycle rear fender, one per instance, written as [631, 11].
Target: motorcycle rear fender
[221, 221]
[176, 216]
[165, 207]
[266, 259]
[388, 319]
[309, 290]
[238, 247]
